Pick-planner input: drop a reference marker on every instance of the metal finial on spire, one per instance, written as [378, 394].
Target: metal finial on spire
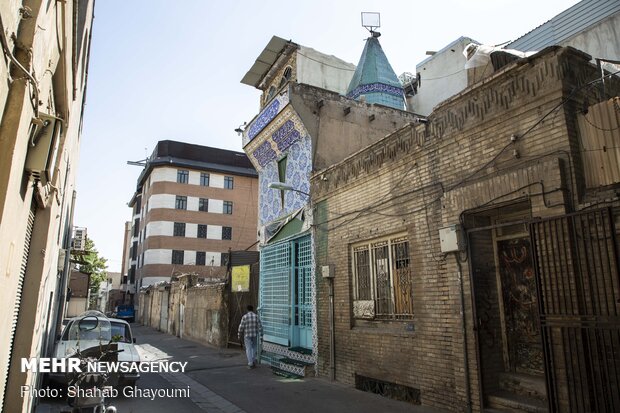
[371, 21]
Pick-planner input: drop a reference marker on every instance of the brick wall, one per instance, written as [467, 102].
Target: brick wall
[425, 176]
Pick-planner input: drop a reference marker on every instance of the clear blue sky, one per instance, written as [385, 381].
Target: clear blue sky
[172, 70]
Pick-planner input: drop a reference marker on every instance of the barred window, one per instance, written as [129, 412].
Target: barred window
[202, 231]
[182, 176]
[177, 257]
[179, 229]
[383, 280]
[224, 259]
[226, 232]
[228, 207]
[201, 257]
[204, 179]
[203, 204]
[228, 182]
[180, 202]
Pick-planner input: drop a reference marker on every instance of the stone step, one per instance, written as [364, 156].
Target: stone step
[524, 384]
[514, 402]
[285, 366]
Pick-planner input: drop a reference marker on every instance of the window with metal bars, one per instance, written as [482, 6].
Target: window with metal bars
[179, 229]
[177, 257]
[202, 231]
[226, 232]
[383, 279]
[201, 257]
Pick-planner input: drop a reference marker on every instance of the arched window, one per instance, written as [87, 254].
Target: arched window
[286, 76]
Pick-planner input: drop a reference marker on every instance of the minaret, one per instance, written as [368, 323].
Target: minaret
[374, 77]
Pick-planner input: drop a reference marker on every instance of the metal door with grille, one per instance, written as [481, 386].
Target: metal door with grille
[578, 286]
[302, 293]
[274, 292]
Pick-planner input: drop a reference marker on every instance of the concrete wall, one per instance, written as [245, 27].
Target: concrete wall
[205, 311]
[60, 77]
[424, 177]
[442, 75]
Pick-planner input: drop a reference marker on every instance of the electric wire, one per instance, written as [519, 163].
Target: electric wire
[370, 210]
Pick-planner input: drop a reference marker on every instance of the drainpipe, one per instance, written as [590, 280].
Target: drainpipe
[464, 332]
[332, 335]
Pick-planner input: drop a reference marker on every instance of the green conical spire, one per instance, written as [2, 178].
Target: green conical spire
[375, 79]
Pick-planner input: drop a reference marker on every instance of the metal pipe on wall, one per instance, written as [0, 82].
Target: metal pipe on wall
[332, 338]
[464, 332]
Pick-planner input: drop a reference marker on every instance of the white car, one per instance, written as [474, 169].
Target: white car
[110, 330]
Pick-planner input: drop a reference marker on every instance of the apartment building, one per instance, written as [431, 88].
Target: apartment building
[192, 204]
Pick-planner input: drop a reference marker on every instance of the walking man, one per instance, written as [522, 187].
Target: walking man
[250, 329]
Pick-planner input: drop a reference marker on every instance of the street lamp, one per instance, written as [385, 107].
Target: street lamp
[285, 187]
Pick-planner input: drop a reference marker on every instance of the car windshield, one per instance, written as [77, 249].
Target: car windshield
[121, 332]
[91, 328]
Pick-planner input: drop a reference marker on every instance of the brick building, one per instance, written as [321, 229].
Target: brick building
[192, 204]
[515, 305]
[306, 124]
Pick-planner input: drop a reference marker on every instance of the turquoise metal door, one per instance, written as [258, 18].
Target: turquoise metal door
[274, 293]
[301, 294]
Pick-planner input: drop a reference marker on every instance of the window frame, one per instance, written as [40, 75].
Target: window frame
[229, 182]
[227, 207]
[203, 255]
[230, 231]
[400, 277]
[205, 179]
[203, 204]
[180, 200]
[179, 229]
[198, 232]
[175, 257]
[182, 176]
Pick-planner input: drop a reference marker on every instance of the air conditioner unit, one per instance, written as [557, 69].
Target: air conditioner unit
[43, 147]
[79, 239]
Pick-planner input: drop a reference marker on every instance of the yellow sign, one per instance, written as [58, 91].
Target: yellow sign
[241, 278]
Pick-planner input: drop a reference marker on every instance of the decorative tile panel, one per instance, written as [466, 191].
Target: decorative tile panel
[264, 153]
[375, 88]
[265, 117]
[285, 135]
[298, 167]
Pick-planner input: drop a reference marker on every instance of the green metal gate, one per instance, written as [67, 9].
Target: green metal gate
[286, 292]
[274, 292]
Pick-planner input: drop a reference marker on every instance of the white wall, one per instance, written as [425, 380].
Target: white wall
[166, 229]
[443, 75]
[327, 72]
[164, 256]
[169, 174]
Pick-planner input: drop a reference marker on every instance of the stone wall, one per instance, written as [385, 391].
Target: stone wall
[204, 308]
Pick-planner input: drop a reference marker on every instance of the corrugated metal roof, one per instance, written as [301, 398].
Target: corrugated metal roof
[566, 24]
[264, 61]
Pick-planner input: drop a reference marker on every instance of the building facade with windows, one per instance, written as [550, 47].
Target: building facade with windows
[306, 123]
[474, 258]
[192, 204]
